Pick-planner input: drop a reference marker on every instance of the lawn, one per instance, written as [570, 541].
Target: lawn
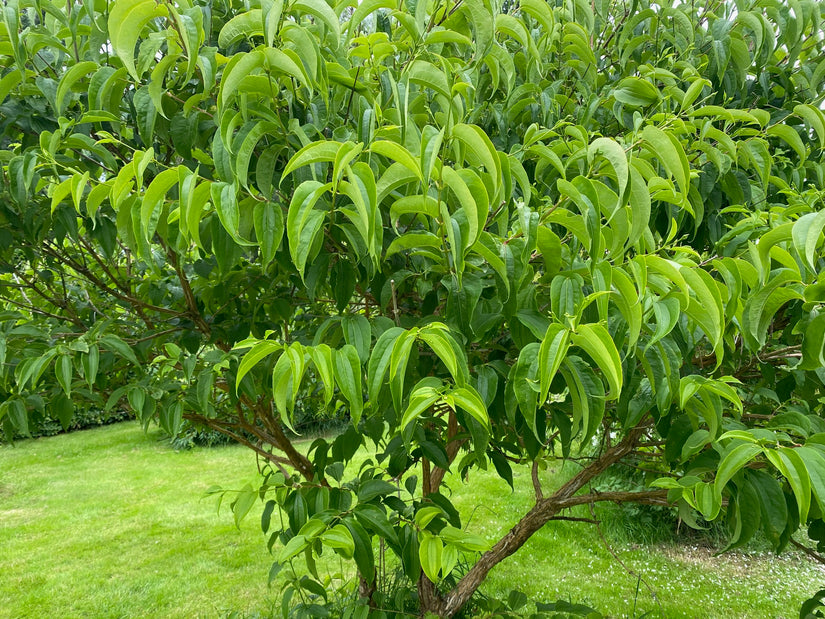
[112, 522]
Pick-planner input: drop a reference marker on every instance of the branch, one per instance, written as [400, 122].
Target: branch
[809, 551]
[543, 511]
[136, 304]
[453, 447]
[35, 310]
[534, 473]
[188, 295]
[224, 428]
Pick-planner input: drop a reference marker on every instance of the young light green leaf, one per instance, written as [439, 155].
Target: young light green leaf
[670, 153]
[396, 152]
[421, 400]
[127, 20]
[807, 232]
[244, 25]
[316, 152]
[553, 350]
[612, 151]
[429, 553]
[479, 148]
[595, 340]
[732, 463]
[470, 401]
[304, 221]
[224, 197]
[258, 352]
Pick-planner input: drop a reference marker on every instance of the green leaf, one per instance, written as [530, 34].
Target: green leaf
[479, 148]
[429, 554]
[68, 80]
[244, 502]
[424, 205]
[398, 364]
[437, 336]
[392, 150]
[322, 358]
[427, 74]
[595, 340]
[340, 540]
[347, 368]
[814, 462]
[90, 362]
[292, 548]
[115, 344]
[813, 344]
[322, 11]
[127, 19]
[259, 351]
[421, 399]
[358, 333]
[790, 137]
[316, 152]
[63, 372]
[152, 205]
[304, 221]
[636, 92]
[379, 361]
[268, 220]
[463, 540]
[732, 463]
[761, 307]
[792, 467]
[806, 233]
[373, 517]
[362, 553]
[8, 83]
[670, 153]
[244, 25]
[224, 197]
[483, 20]
[245, 150]
[707, 310]
[586, 393]
[815, 118]
[639, 201]
[475, 212]
[553, 350]
[470, 401]
[615, 155]
[418, 243]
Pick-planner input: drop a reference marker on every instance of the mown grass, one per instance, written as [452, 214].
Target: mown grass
[112, 522]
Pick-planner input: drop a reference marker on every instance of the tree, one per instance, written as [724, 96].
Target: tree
[487, 235]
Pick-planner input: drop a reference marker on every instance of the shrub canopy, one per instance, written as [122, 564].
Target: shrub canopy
[489, 235]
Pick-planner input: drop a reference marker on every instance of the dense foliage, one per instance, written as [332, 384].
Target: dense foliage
[490, 235]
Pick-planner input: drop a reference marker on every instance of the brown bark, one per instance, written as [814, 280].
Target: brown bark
[453, 446]
[262, 411]
[544, 510]
[429, 598]
[813, 554]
